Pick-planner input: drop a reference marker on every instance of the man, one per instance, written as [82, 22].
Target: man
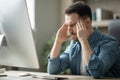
[90, 52]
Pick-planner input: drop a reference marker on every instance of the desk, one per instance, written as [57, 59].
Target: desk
[14, 75]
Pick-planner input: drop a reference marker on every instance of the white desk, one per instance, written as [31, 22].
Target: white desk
[14, 75]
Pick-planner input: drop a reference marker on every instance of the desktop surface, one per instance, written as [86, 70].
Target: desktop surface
[15, 75]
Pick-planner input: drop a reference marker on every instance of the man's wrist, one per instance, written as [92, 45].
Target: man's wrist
[58, 42]
[83, 40]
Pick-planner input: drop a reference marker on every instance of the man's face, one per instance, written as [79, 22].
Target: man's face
[71, 20]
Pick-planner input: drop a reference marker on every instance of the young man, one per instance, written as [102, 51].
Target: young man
[90, 52]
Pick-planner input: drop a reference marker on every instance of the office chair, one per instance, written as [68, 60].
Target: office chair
[114, 29]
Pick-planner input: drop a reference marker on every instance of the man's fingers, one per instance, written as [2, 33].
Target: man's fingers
[81, 24]
[78, 24]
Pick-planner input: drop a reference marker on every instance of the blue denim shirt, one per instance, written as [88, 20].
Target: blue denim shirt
[104, 61]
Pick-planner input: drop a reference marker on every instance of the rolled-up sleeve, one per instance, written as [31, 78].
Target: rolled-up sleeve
[102, 59]
[59, 64]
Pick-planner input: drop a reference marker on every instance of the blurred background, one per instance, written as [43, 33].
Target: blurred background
[48, 15]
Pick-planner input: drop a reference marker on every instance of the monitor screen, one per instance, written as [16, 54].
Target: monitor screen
[20, 49]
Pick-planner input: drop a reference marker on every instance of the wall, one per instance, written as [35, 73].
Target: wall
[46, 24]
[112, 5]
[63, 5]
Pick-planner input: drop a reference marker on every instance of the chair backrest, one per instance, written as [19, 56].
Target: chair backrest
[114, 29]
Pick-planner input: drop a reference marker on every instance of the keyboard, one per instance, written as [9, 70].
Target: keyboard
[35, 77]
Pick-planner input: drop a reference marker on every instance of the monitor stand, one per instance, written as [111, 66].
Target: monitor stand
[2, 71]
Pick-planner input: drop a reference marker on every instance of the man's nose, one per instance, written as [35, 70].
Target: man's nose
[69, 29]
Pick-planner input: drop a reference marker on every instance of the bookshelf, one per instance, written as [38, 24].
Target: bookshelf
[102, 24]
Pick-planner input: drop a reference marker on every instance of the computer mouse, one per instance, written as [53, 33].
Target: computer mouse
[24, 74]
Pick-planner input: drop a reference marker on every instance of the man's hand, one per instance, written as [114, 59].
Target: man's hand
[82, 33]
[61, 35]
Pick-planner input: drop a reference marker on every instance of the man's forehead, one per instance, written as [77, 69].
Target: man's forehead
[71, 18]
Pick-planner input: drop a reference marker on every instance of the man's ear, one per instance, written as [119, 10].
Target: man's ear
[87, 22]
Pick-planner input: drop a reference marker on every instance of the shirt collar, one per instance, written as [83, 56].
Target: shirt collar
[94, 37]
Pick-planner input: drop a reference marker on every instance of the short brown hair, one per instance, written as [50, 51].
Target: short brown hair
[79, 7]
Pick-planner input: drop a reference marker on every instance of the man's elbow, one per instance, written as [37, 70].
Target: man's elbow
[52, 72]
[96, 76]
[95, 68]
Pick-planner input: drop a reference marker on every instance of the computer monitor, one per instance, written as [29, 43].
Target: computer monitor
[15, 24]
